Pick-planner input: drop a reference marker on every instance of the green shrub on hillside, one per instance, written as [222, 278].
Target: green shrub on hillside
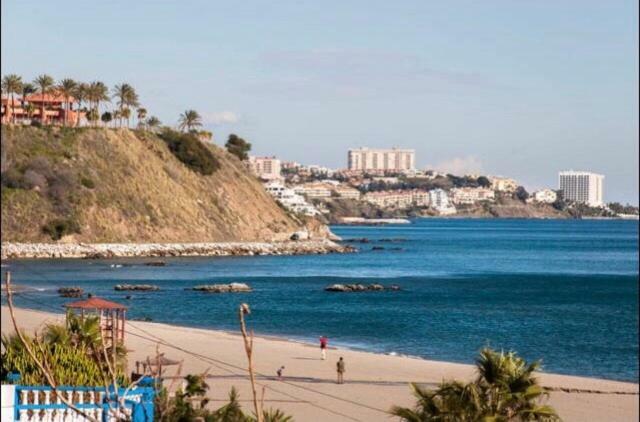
[88, 183]
[61, 227]
[188, 149]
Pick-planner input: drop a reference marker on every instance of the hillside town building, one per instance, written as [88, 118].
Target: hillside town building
[471, 195]
[503, 184]
[383, 160]
[546, 196]
[266, 168]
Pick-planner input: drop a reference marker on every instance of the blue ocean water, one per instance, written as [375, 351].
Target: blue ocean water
[563, 291]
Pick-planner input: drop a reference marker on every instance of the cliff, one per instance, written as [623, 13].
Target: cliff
[103, 185]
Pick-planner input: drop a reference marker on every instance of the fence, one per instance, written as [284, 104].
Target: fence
[41, 403]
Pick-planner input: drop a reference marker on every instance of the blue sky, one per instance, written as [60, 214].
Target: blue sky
[516, 88]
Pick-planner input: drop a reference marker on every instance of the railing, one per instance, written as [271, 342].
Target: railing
[42, 403]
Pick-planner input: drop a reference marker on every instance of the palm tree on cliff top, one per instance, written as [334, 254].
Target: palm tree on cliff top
[189, 120]
[12, 84]
[66, 88]
[45, 84]
[127, 97]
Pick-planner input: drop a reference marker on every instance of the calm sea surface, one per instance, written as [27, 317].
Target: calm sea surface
[565, 292]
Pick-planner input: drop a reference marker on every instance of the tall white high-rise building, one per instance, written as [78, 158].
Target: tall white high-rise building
[581, 186]
[393, 159]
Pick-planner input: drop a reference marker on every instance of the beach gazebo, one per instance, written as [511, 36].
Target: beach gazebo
[111, 315]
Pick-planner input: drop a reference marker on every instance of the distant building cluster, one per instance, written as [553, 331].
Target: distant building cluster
[381, 160]
[379, 177]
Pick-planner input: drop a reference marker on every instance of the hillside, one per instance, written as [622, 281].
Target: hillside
[101, 185]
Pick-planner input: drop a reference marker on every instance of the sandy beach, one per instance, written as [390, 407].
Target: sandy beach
[373, 382]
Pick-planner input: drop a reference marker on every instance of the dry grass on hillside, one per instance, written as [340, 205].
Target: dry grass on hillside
[125, 186]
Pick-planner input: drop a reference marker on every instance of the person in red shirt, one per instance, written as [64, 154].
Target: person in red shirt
[323, 346]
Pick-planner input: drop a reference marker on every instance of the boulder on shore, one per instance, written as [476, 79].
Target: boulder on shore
[222, 288]
[360, 288]
[136, 287]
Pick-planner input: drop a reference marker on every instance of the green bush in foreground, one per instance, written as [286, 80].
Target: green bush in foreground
[188, 149]
[505, 390]
[180, 407]
[73, 352]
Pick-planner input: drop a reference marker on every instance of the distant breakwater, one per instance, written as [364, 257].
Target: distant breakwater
[12, 250]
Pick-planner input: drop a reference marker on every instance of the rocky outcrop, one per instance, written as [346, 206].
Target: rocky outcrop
[125, 250]
[223, 288]
[361, 288]
[70, 291]
[136, 287]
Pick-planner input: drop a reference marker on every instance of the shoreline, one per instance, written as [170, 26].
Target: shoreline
[374, 382]
[17, 250]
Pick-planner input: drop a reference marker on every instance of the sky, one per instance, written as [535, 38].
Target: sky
[515, 88]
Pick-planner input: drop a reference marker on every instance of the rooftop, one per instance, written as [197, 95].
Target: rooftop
[94, 303]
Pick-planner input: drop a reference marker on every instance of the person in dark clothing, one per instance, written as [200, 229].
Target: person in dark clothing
[341, 370]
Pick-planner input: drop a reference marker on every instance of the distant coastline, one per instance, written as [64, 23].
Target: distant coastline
[12, 250]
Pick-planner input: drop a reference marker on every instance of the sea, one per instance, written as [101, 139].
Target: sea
[564, 292]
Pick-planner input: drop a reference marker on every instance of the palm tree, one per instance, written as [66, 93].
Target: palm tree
[504, 390]
[153, 123]
[116, 116]
[27, 89]
[44, 83]
[127, 97]
[97, 92]
[141, 114]
[189, 120]
[66, 88]
[81, 93]
[12, 84]
[125, 113]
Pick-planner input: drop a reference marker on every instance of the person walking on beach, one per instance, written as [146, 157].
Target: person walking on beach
[279, 372]
[323, 346]
[341, 370]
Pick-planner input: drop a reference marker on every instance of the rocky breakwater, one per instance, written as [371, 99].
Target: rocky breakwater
[124, 250]
[222, 288]
[360, 288]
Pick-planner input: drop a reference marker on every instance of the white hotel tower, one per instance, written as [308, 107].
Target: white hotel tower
[393, 159]
[581, 186]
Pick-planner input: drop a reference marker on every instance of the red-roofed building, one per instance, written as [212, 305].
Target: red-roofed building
[57, 109]
[111, 316]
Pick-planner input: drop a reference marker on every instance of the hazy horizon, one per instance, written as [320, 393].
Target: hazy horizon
[504, 88]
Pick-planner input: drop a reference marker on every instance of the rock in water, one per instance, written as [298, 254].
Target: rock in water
[223, 288]
[360, 288]
[136, 287]
[70, 291]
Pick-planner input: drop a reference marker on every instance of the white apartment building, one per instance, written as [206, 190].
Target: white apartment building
[289, 199]
[394, 159]
[581, 186]
[471, 195]
[546, 196]
[439, 200]
[398, 198]
[266, 168]
[317, 190]
[347, 192]
[503, 184]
